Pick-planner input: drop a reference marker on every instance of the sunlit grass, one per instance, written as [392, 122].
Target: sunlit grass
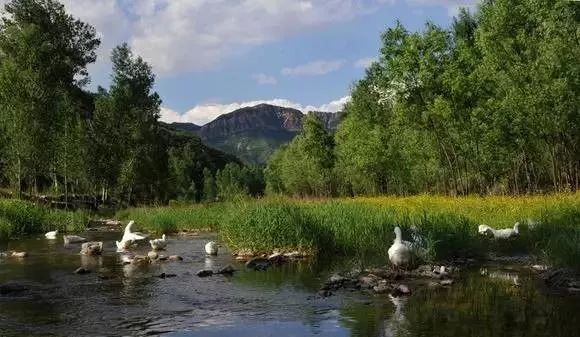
[363, 227]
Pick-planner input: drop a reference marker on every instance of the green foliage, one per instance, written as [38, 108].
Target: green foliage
[304, 167]
[235, 181]
[21, 217]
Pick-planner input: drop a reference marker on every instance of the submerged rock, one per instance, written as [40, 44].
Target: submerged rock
[258, 263]
[227, 270]
[164, 275]
[204, 273]
[175, 258]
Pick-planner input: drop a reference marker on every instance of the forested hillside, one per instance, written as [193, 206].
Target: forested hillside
[488, 105]
[58, 138]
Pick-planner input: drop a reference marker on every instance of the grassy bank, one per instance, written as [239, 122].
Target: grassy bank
[19, 217]
[363, 227]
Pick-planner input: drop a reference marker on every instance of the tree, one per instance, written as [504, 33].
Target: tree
[44, 52]
[209, 186]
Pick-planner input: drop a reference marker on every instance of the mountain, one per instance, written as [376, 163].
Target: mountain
[189, 127]
[254, 133]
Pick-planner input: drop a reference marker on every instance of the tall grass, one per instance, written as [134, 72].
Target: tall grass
[19, 217]
[363, 227]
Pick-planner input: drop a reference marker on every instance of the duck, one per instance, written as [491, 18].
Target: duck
[505, 233]
[129, 235]
[68, 239]
[51, 235]
[158, 244]
[211, 248]
[400, 252]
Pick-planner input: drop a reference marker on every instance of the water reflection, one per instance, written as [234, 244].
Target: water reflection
[132, 300]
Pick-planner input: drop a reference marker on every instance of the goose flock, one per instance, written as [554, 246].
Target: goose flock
[403, 253]
[128, 241]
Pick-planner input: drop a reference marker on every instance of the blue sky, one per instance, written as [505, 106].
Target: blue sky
[213, 56]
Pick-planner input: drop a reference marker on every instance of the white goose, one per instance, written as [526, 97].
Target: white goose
[400, 252]
[211, 248]
[505, 233]
[158, 244]
[68, 239]
[51, 235]
[129, 235]
[123, 245]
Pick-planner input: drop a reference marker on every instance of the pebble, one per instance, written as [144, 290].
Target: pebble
[153, 255]
[175, 258]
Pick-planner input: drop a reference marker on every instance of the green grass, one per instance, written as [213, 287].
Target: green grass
[362, 228]
[19, 217]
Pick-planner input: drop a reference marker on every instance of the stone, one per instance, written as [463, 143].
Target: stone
[401, 289]
[81, 271]
[258, 263]
[294, 255]
[175, 258]
[164, 275]
[19, 254]
[162, 258]
[540, 267]
[446, 282]
[204, 273]
[92, 248]
[369, 281]
[140, 260]
[153, 255]
[227, 270]
[382, 287]
[277, 258]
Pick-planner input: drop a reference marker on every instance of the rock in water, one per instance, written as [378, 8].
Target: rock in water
[92, 248]
[277, 258]
[164, 275]
[175, 258]
[227, 270]
[258, 263]
[204, 273]
[153, 255]
[447, 282]
[401, 289]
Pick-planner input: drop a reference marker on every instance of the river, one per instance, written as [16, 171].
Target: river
[117, 300]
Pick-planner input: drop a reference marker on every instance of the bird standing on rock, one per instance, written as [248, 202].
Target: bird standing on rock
[400, 252]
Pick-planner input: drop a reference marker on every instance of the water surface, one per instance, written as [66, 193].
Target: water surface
[118, 300]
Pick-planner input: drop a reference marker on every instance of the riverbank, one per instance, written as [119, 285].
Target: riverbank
[18, 217]
[362, 228]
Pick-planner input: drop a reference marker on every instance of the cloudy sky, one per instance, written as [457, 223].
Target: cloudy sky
[213, 56]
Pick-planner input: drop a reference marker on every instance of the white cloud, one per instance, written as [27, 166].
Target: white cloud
[365, 62]
[202, 114]
[264, 79]
[315, 68]
[452, 6]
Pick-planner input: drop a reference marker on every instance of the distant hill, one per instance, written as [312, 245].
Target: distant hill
[190, 127]
[254, 133]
